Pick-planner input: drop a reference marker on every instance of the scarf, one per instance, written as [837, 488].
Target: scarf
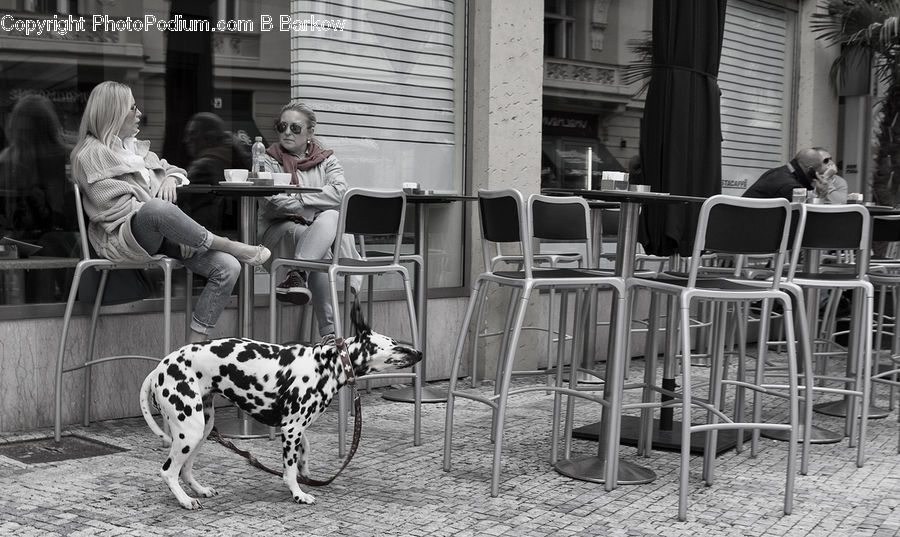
[291, 163]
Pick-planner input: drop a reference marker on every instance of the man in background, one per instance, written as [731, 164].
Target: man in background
[812, 168]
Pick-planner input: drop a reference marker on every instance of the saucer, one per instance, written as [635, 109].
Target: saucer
[235, 182]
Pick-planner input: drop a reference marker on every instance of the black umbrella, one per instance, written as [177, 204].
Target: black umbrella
[681, 135]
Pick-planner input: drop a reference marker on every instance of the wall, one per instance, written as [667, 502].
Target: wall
[28, 351]
[817, 106]
[505, 95]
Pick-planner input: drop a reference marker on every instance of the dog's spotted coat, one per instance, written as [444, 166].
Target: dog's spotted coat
[287, 386]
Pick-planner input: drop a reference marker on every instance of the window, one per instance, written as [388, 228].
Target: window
[387, 91]
[756, 118]
[559, 29]
[45, 81]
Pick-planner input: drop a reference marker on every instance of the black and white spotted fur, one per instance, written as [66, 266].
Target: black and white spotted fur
[287, 386]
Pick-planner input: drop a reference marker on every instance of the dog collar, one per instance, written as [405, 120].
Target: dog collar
[344, 353]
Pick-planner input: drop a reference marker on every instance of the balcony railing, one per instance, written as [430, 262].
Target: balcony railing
[580, 77]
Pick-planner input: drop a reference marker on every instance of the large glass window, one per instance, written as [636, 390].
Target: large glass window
[387, 90]
[235, 78]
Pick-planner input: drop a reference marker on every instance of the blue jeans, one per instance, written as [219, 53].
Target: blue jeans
[160, 227]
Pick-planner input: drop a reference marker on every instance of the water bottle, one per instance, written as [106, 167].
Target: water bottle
[258, 152]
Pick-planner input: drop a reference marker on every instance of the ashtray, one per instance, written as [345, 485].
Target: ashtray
[263, 182]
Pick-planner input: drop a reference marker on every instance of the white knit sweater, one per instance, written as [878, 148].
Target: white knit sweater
[113, 189]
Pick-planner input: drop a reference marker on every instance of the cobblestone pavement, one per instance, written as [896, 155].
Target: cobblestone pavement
[394, 488]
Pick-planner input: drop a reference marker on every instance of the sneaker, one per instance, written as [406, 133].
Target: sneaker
[293, 289]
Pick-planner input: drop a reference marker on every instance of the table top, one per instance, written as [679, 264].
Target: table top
[246, 189]
[882, 210]
[438, 198]
[625, 196]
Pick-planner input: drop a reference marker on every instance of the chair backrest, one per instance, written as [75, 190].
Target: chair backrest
[561, 219]
[836, 227]
[609, 223]
[503, 222]
[886, 228]
[742, 226]
[367, 212]
[82, 227]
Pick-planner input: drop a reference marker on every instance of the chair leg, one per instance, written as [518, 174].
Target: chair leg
[581, 322]
[742, 320]
[418, 380]
[504, 356]
[61, 353]
[684, 472]
[717, 372]
[274, 325]
[645, 438]
[762, 347]
[865, 369]
[95, 314]
[482, 299]
[560, 363]
[500, 412]
[188, 302]
[454, 369]
[167, 308]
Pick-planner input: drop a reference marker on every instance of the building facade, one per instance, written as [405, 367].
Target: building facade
[455, 95]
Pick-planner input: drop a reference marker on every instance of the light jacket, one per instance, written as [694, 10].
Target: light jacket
[113, 189]
[274, 210]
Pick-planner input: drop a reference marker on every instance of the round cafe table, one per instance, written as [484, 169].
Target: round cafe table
[594, 467]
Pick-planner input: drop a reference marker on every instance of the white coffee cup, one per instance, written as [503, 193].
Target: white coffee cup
[281, 178]
[238, 175]
[263, 175]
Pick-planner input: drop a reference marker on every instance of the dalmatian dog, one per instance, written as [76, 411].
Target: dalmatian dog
[278, 385]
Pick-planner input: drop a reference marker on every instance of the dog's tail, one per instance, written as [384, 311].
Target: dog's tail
[145, 409]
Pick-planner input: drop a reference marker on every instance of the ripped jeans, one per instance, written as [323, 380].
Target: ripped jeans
[160, 227]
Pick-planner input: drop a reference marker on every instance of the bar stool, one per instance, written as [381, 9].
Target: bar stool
[504, 219]
[368, 213]
[736, 226]
[167, 264]
[842, 227]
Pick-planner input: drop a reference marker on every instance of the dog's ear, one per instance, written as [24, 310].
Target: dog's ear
[356, 317]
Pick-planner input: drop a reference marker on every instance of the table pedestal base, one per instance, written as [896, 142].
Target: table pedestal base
[242, 427]
[664, 440]
[592, 467]
[406, 395]
[838, 409]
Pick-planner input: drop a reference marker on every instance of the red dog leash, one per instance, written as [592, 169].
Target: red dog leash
[357, 428]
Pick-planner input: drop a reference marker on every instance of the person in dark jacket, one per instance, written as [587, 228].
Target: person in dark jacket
[807, 169]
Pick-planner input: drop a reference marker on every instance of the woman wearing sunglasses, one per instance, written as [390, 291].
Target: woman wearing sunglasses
[303, 226]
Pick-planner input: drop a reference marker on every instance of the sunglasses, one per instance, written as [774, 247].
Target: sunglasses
[281, 126]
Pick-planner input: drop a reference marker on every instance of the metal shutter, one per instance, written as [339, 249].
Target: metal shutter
[755, 80]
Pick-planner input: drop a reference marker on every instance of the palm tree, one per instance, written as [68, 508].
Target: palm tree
[868, 31]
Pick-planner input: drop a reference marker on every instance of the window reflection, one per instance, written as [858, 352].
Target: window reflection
[44, 83]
